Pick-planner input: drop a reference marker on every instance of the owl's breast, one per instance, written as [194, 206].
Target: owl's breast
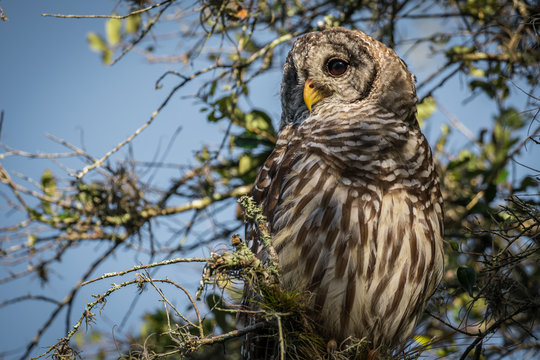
[364, 251]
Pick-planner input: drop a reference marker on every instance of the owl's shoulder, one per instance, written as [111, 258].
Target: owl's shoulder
[266, 189]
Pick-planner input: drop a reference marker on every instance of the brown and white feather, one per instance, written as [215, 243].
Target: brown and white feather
[351, 193]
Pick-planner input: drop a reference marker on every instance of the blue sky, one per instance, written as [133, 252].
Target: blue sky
[50, 82]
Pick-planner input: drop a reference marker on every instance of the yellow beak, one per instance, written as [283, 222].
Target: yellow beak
[311, 94]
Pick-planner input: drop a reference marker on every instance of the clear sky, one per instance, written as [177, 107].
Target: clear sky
[50, 82]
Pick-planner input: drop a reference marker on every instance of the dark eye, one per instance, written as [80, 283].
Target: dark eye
[336, 67]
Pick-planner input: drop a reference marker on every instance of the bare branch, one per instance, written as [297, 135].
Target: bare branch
[135, 12]
[141, 267]
[196, 204]
[231, 334]
[29, 297]
[6, 179]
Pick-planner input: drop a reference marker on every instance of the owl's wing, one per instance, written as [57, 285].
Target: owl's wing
[266, 192]
[267, 188]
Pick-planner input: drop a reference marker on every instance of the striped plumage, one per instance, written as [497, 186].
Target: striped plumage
[350, 191]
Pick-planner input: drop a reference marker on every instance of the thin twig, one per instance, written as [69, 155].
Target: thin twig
[140, 11]
[149, 279]
[231, 334]
[518, 147]
[449, 325]
[151, 23]
[196, 204]
[281, 341]
[191, 300]
[6, 179]
[11, 151]
[458, 124]
[1, 114]
[148, 266]
[29, 297]
[16, 227]
[71, 146]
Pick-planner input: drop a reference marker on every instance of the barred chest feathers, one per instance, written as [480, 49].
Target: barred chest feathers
[367, 192]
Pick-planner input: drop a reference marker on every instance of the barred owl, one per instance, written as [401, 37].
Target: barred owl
[350, 191]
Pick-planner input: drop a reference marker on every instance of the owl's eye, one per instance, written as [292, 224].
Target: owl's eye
[336, 67]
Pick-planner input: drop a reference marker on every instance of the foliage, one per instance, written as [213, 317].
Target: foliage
[487, 306]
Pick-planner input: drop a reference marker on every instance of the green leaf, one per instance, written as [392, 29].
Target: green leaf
[32, 240]
[249, 141]
[423, 340]
[440, 39]
[245, 141]
[246, 164]
[46, 205]
[476, 72]
[79, 339]
[454, 245]
[48, 183]
[526, 183]
[463, 157]
[212, 117]
[485, 86]
[203, 155]
[245, 43]
[95, 337]
[259, 120]
[68, 218]
[511, 117]
[112, 28]
[501, 177]
[133, 23]
[223, 107]
[106, 56]
[96, 42]
[467, 278]
[501, 136]
[35, 215]
[460, 50]
[425, 109]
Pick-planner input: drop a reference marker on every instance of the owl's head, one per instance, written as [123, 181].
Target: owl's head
[337, 66]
